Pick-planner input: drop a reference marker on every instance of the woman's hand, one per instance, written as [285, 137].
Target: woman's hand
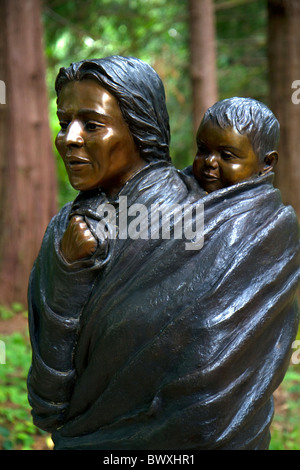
[77, 241]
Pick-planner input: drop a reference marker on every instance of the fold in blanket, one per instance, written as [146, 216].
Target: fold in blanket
[151, 346]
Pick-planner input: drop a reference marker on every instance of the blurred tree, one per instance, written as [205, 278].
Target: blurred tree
[202, 57]
[284, 69]
[27, 171]
[241, 49]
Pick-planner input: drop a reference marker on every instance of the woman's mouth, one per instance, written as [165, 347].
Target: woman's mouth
[76, 163]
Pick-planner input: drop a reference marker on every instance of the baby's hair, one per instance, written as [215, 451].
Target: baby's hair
[250, 117]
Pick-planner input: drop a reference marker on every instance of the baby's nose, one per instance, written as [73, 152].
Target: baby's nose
[211, 161]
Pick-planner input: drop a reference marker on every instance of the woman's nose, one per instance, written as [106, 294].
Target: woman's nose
[74, 134]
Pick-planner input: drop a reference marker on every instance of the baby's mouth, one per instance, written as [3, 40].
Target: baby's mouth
[209, 176]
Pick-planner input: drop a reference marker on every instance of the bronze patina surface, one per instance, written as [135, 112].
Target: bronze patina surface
[138, 342]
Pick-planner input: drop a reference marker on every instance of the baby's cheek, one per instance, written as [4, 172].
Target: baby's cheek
[231, 174]
[235, 173]
[197, 166]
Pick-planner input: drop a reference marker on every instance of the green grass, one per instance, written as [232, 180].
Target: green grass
[8, 313]
[18, 432]
[16, 428]
[286, 423]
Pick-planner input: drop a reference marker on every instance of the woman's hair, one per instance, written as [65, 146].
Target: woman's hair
[140, 94]
[250, 117]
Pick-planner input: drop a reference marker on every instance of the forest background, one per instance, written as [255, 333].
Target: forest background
[203, 50]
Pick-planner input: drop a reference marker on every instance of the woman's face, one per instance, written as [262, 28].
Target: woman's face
[94, 141]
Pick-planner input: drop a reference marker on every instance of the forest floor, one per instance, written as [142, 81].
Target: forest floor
[18, 323]
[285, 398]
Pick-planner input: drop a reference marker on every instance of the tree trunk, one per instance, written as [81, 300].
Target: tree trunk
[203, 57]
[27, 166]
[284, 70]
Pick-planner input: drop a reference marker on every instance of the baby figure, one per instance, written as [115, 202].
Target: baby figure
[237, 140]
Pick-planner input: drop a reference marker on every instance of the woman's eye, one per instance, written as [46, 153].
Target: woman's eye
[92, 126]
[63, 125]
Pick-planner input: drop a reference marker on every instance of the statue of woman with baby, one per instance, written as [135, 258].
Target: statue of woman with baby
[139, 342]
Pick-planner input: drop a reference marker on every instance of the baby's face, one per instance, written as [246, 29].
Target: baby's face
[224, 157]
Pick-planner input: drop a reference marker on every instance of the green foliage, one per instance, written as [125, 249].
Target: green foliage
[285, 426]
[16, 428]
[242, 51]
[7, 313]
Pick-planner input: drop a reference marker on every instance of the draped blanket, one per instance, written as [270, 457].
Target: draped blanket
[148, 345]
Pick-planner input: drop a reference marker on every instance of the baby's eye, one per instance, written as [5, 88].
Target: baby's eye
[227, 156]
[201, 149]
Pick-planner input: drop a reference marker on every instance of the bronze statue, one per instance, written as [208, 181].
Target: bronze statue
[138, 342]
[98, 151]
[237, 140]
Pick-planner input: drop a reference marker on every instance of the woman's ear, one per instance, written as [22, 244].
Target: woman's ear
[270, 161]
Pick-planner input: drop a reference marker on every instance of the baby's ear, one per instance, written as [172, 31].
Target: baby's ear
[270, 161]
